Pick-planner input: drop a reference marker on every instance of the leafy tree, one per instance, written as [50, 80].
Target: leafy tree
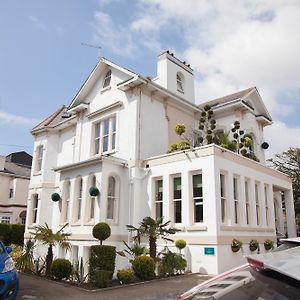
[152, 229]
[288, 162]
[47, 237]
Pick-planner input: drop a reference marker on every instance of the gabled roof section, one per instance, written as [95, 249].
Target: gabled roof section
[249, 98]
[93, 77]
[53, 120]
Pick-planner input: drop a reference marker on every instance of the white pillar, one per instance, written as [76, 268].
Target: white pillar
[242, 202]
[280, 221]
[229, 198]
[290, 213]
[271, 206]
[262, 204]
[187, 214]
[167, 199]
[252, 203]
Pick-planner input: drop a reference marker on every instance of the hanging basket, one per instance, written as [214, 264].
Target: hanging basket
[93, 191]
[265, 145]
[235, 248]
[55, 197]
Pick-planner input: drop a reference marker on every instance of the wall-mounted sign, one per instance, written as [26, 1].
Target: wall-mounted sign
[209, 251]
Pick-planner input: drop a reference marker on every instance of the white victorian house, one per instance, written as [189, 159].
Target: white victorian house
[115, 135]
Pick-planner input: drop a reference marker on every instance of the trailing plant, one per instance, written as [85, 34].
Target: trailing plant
[236, 245]
[78, 273]
[268, 244]
[152, 229]
[61, 268]
[125, 275]
[144, 267]
[171, 263]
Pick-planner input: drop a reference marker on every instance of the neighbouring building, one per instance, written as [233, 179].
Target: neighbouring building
[14, 180]
[115, 134]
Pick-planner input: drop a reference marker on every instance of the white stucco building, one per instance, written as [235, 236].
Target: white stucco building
[115, 135]
[14, 180]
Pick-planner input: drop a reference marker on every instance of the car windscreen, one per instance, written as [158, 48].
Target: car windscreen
[285, 246]
[266, 285]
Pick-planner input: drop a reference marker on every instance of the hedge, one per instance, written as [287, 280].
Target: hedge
[102, 258]
[12, 234]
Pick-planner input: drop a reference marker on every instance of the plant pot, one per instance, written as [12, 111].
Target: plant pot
[268, 247]
[252, 248]
[235, 248]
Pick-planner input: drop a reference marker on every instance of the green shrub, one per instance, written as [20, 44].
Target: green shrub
[268, 244]
[101, 231]
[12, 234]
[125, 275]
[102, 258]
[61, 268]
[171, 264]
[101, 278]
[143, 267]
[180, 244]
[179, 129]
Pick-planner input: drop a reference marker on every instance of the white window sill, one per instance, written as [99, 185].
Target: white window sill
[112, 222]
[196, 228]
[90, 223]
[37, 173]
[107, 88]
[77, 223]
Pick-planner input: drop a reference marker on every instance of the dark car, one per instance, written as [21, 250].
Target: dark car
[9, 280]
[268, 276]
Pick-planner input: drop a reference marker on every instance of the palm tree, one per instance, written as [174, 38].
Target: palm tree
[47, 237]
[152, 229]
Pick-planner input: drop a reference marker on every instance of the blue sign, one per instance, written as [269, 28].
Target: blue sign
[209, 251]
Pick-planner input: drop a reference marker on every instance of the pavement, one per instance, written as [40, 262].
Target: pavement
[36, 288]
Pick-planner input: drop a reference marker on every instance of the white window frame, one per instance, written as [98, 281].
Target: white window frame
[158, 201]
[113, 199]
[39, 158]
[5, 219]
[223, 197]
[66, 201]
[177, 201]
[79, 198]
[180, 81]
[257, 204]
[247, 202]
[35, 206]
[197, 200]
[111, 135]
[236, 196]
[107, 80]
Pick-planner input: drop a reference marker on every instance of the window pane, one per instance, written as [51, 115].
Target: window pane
[159, 209]
[177, 188]
[177, 211]
[113, 141]
[97, 130]
[106, 126]
[222, 181]
[158, 190]
[110, 208]
[105, 144]
[198, 211]
[113, 124]
[111, 186]
[197, 185]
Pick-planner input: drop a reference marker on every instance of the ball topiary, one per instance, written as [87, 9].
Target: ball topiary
[55, 197]
[61, 268]
[101, 231]
[93, 191]
[180, 129]
[125, 275]
[143, 267]
[180, 244]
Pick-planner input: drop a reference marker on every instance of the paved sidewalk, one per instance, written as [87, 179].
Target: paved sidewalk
[36, 288]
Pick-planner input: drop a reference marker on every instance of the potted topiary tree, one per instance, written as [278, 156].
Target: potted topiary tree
[268, 244]
[253, 245]
[236, 245]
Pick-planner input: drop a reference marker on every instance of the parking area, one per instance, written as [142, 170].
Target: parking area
[33, 287]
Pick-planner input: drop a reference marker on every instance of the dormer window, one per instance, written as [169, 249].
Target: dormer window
[179, 78]
[107, 79]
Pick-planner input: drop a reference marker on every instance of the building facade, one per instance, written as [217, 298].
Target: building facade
[14, 181]
[115, 134]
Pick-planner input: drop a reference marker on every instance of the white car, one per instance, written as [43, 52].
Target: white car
[287, 243]
[269, 276]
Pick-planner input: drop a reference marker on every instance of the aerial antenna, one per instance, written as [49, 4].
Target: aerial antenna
[93, 46]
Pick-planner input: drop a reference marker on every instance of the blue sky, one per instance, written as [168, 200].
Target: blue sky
[230, 44]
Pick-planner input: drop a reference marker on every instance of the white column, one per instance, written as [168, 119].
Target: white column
[262, 204]
[84, 199]
[252, 203]
[242, 202]
[187, 211]
[72, 204]
[271, 206]
[280, 221]
[229, 198]
[167, 198]
[290, 213]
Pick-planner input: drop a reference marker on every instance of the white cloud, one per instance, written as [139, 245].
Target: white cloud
[114, 37]
[37, 21]
[8, 119]
[281, 137]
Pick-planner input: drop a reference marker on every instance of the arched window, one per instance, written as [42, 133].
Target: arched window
[78, 200]
[107, 79]
[111, 198]
[179, 78]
